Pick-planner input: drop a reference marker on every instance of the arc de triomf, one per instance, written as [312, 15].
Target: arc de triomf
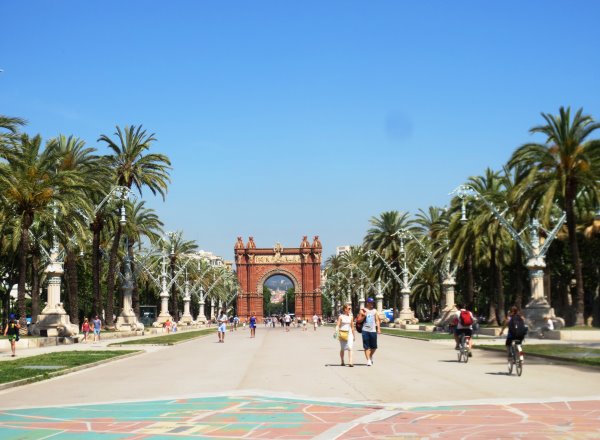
[302, 265]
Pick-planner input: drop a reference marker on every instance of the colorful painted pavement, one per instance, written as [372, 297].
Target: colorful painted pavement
[276, 418]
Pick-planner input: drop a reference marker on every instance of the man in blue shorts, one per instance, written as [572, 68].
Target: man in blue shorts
[222, 325]
[97, 323]
[370, 329]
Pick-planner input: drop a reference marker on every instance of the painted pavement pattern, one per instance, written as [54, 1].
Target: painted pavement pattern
[278, 418]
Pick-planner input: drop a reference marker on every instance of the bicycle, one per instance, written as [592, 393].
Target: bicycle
[515, 358]
[463, 348]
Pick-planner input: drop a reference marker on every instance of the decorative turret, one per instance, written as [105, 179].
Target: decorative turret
[305, 243]
[251, 244]
[239, 244]
[317, 243]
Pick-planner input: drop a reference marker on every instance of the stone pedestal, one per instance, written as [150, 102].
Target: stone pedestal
[201, 316]
[538, 308]
[54, 320]
[407, 316]
[186, 318]
[449, 309]
[127, 321]
[164, 314]
[379, 303]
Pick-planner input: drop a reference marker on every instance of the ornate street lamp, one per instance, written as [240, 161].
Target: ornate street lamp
[537, 308]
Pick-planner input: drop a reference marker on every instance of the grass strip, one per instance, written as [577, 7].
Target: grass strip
[581, 328]
[415, 334]
[170, 339]
[558, 352]
[59, 362]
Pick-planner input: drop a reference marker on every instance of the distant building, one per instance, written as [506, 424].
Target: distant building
[211, 258]
[340, 250]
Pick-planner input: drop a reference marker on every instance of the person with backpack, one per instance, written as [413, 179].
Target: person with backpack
[464, 326]
[12, 331]
[517, 330]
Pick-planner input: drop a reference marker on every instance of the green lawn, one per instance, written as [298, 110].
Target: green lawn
[580, 327]
[56, 362]
[569, 353]
[170, 339]
[426, 336]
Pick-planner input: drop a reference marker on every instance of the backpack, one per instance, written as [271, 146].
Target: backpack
[359, 325]
[516, 327]
[465, 318]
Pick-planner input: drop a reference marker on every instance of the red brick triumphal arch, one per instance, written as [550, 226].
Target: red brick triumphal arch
[302, 265]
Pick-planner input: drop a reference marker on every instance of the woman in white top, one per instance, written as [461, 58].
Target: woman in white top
[345, 330]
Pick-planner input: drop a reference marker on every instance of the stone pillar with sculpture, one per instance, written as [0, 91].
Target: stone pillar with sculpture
[54, 320]
[186, 318]
[164, 314]
[127, 320]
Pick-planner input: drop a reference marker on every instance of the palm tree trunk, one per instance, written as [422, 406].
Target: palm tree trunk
[110, 277]
[73, 285]
[135, 294]
[96, 228]
[500, 290]
[519, 287]
[470, 293]
[35, 287]
[26, 222]
[571, 226]
[492, 318]
[174, 302]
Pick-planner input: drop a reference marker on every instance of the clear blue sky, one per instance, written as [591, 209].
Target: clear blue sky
[284, 118]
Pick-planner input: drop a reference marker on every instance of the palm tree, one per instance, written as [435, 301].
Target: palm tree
[30, 182]
[132, 166]
[565, 164]
[142, 223]
[491, 245]
[177, 247]
[74, 156]
[10, 125]
[381, 237]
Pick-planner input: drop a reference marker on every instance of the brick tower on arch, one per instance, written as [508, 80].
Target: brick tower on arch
[302, 265]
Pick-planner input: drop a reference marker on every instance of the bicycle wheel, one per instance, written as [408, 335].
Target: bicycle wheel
[466, 355]
[459, 354]
[519, 367]
[511, 358]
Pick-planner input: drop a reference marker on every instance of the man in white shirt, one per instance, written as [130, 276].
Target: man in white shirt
[222, 325]
[315, 321]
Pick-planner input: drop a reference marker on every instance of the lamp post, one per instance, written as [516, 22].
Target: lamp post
[54, 320]
[406, 315]
[537, 308]
[186, 318]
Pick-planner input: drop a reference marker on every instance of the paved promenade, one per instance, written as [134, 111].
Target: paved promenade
[290, 385]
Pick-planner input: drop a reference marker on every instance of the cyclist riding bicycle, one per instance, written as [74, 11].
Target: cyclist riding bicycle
[464, 326]
[516, 328]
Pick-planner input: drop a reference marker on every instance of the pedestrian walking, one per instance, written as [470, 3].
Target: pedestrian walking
[222, 325]
[315, 319]
[167, 325]
[370, 329]
[12, 331]
[344, 329]
[97, 323]
[236, 322]
[85, 329]
[287, 319]
[253, 325]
